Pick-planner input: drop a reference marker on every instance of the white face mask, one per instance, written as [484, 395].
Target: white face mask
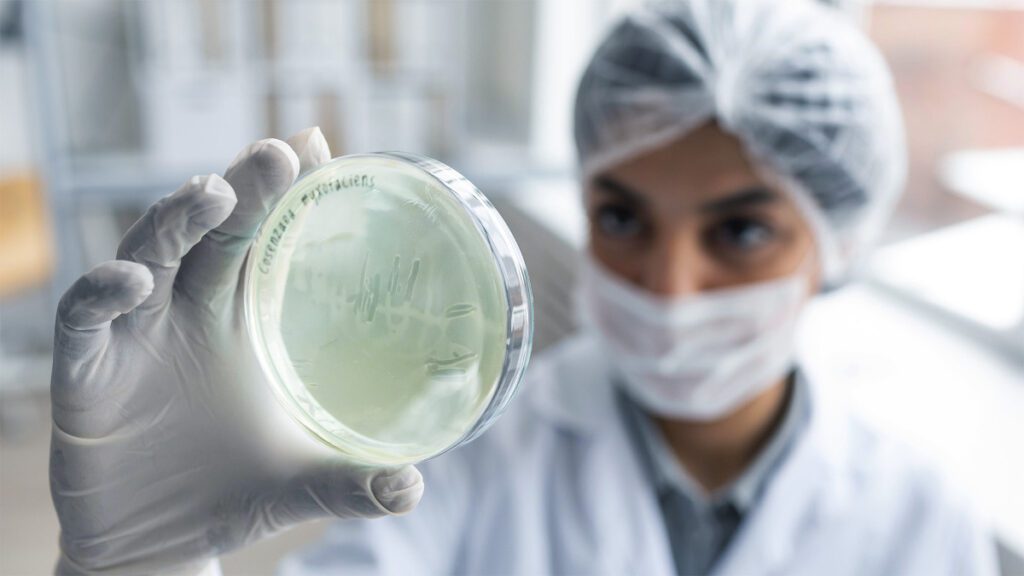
[696, 357]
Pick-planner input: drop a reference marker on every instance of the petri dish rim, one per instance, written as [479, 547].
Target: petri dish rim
[508, 261]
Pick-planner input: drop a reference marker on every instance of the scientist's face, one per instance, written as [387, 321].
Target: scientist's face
[693, 217]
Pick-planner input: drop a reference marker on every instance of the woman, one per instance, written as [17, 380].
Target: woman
[736, 157]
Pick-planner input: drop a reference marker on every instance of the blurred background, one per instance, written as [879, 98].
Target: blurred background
[106, 105]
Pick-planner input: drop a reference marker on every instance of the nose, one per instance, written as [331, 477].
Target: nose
[673, 267]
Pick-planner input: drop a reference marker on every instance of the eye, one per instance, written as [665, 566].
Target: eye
[617, 220]
[741, 234]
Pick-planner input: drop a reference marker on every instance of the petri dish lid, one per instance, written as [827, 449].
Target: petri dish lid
[389, 306]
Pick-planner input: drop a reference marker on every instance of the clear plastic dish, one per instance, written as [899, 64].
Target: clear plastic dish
[389, 306]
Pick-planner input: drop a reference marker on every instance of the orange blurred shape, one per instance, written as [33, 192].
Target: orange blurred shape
[26, 242]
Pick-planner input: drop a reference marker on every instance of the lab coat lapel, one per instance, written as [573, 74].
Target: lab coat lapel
[618, 505]
[627, 516]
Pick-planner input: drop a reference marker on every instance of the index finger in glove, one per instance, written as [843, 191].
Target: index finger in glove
[259, 176]
[166, 232]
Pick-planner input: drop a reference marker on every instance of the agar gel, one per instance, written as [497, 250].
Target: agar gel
[383, 311]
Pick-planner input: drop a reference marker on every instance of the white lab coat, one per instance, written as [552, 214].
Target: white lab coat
[555, 488]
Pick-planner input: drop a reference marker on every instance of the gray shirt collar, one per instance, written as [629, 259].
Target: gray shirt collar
[667, 474]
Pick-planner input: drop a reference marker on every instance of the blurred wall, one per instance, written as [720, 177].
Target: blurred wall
[941, 56]
[15, 147]
[21, 307]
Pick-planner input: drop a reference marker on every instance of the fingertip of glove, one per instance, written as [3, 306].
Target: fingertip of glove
[215, 185]
[398, 491]
[218, 201]
[133, 276]
[305, 137]
[122, 284]
[274, 151]
[319, 152]
[138, 287]
[311, 147]
[270, 159]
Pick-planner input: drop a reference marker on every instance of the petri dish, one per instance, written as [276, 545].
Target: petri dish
[389, 306]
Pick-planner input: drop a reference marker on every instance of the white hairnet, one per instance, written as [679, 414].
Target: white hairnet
[803, 89]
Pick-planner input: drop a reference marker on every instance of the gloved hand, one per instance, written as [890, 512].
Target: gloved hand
[168, 446]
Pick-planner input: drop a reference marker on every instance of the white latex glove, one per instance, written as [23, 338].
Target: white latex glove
[168, 446]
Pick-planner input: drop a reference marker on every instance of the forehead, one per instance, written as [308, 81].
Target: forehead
[705, 164]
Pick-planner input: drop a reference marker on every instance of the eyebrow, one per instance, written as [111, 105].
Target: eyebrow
[745, 198]
[619, 189]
